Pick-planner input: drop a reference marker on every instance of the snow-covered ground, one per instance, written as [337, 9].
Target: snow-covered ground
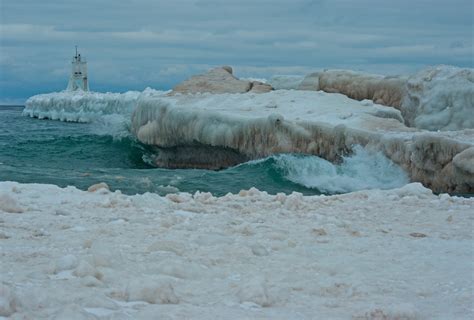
[71, 254]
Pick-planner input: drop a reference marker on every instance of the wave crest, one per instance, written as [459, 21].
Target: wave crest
[362, 170]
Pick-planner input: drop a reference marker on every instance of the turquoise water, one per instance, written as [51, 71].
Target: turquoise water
[81, 154]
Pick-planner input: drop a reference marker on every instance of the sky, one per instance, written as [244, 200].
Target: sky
[134, 44]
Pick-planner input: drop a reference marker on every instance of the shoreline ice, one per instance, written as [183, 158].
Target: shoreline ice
[80, 106]
[222, 130]
[402, 253]
[215, 131]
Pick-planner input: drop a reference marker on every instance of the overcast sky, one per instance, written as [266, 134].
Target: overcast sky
[132, 44]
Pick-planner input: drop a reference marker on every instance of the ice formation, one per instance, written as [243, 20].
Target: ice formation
[436, 98]
[220, 130]
[440, 98]
[236, 127]
[375, 254]
[220, 80]
[387, 91]
[285, 82]
[80, 106]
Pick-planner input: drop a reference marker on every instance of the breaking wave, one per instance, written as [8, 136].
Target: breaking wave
[362, 170]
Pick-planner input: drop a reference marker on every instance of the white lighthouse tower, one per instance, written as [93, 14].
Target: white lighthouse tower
[78, 78]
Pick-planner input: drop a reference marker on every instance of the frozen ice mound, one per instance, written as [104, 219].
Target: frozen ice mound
[435, 98]
[383, 90]
[440, 98]
[80, 106]
[287, 82]
[233, 128]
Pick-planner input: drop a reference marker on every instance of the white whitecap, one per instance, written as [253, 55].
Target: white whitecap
[362, 170]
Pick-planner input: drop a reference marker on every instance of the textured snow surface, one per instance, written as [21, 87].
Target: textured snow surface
[71, 254]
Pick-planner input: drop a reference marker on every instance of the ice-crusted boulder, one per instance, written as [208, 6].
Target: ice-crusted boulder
[217, 131]
[388, 91]
[440, 98]
[286, 82]
[310, 82]
[220, 80]
[436, 98]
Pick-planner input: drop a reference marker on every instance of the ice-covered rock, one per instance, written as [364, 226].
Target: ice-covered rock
[310, 82]
[464, 160]
[220, 80]
[387, 91]
[440, 98]
[285, 82]
[260, 87]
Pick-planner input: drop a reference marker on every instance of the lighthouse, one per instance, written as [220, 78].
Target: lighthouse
[78, 78]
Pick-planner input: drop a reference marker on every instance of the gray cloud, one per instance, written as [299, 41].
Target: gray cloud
[131, 44]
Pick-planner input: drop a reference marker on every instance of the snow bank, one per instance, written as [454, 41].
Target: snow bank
[365, 255]
[440, 98]
[80, 106]
[215, 131]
